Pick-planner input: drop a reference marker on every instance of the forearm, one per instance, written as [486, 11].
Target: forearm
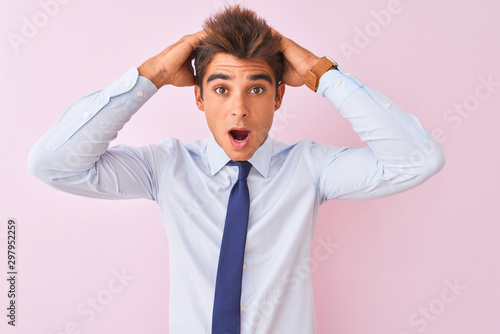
[71, 148]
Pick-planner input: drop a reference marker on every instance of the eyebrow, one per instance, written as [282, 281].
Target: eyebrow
[266, 77]
[218, 76]
[254, 77]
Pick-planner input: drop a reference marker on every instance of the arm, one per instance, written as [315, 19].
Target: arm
[400, 154]
[73, 156]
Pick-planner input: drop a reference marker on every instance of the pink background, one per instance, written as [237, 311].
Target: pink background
[389, 262]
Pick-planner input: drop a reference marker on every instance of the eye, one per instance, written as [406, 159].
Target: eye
[220, 90]
[257, 90]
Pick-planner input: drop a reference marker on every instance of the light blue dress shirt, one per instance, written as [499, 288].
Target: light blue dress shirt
[191, 184]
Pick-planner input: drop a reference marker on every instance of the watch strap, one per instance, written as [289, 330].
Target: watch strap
[314, 74]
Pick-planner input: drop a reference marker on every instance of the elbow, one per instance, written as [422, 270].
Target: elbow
[436, 160]
[439, 160]
[40, 165]
[433, 161]
[423, 165]
[35, 163]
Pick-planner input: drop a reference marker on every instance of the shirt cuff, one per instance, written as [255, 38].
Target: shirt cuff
[138, 90]
[336, 85]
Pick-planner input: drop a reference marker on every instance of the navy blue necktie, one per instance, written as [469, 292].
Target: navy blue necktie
[226, 313]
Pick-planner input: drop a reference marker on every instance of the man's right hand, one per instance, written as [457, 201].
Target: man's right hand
[173, 65]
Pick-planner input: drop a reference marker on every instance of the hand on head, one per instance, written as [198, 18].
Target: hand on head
[173, 65]
[297, 62]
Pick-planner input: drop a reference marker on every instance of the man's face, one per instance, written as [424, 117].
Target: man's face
[239, 101]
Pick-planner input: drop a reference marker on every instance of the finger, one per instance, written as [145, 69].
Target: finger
[196, 38]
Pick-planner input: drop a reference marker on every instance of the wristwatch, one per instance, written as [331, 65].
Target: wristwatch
[314, 74]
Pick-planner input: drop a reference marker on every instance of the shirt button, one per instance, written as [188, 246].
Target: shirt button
[388, 104]
[140, 93]
[244, 265]
[126, 84]
[86, 114]
[242, 308]
[337, 82]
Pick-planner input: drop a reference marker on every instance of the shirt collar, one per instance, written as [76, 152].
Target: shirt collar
[261, 159]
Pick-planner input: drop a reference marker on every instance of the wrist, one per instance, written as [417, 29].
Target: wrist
[315, 72]
[313, 62]
[153, 71]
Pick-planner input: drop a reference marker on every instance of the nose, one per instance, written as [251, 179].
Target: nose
[240, 106]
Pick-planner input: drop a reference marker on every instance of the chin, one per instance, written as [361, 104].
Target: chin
[239, 156]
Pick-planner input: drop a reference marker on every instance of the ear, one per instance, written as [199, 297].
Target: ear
[279, 96]
[199, 100]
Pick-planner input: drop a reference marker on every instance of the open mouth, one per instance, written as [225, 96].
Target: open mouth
[239, 135]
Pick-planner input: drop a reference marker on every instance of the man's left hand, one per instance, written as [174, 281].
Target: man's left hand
[297, 62]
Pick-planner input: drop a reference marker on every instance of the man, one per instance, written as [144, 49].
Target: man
[242, 67]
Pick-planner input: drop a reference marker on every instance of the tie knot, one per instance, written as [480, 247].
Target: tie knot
[244, 168]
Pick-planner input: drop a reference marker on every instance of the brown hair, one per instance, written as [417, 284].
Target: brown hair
[241, 33]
